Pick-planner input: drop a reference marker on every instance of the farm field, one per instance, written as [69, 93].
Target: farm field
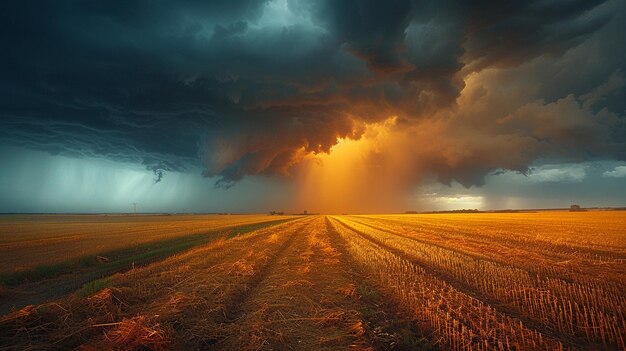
[525, 281]
[47, 256]
[27, 241]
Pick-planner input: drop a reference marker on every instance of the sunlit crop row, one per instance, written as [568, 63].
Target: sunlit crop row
[593, 312]
[459, 320]
[506, 243]
[593, 235]
[562, 229]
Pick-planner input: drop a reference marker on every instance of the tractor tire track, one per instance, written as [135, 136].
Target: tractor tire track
[233, 305]
[299, 305]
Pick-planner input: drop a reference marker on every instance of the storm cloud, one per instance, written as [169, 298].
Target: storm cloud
[243, 88]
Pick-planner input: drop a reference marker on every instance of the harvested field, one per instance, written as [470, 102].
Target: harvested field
[59, 254]
[27, 241]
[404, 282]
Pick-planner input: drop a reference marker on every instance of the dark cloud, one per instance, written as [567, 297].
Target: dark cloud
[250, 87]
[372, 30]
[505, 33]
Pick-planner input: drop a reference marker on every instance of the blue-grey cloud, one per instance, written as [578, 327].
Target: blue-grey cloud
[617, 172]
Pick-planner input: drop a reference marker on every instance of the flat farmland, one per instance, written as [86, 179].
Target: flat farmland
[46, 256]
[28, 241]
[501, 281]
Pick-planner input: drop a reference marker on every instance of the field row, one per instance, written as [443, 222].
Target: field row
[537, 243]
[465, 294]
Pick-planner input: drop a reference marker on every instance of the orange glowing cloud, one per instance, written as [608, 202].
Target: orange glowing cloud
[356, 175]
[485, 131]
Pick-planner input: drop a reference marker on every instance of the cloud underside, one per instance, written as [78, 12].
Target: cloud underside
[617, 172]
[254, 87]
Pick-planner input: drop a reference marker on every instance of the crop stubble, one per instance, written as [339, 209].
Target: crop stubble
[342, 282]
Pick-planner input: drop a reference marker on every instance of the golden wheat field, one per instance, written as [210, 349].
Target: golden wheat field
[30, 240]
[490, 281]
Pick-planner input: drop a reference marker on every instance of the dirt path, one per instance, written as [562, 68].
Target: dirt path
[313, 297]
[302, 303]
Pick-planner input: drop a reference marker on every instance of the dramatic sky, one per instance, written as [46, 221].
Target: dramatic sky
[331, 106]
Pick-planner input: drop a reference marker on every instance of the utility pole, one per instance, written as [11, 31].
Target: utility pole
[135, 207]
